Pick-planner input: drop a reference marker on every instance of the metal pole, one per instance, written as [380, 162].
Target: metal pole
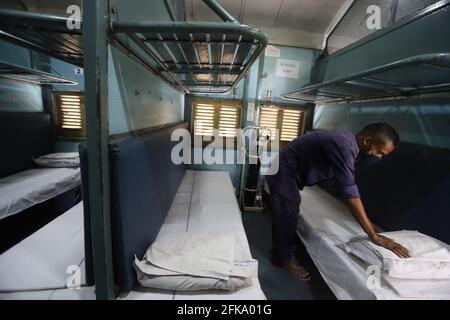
[96, 98]
[220, 11]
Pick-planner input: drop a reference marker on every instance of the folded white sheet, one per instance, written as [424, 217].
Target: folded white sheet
[195, 261]
[420, 289]
[193, 253]
[27, 188]
[429, 259]
[59, 160]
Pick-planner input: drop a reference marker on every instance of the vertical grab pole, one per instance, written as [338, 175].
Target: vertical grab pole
[95, 27]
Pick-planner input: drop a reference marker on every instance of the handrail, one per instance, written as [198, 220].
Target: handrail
[22, 18]
[191, 27]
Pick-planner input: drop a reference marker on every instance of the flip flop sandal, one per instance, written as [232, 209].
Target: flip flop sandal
[299, 273]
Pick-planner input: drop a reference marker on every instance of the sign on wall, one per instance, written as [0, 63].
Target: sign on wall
[272, 51]
[287, 68]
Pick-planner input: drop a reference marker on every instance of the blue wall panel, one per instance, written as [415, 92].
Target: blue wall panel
[281, 85]
[425, 121]
[137, 98]
[18, 96]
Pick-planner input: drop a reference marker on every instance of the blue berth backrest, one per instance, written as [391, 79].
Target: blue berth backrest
[24, 135]
[86, 215]
[144, 181]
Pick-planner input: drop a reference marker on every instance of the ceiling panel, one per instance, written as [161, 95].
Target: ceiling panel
[288, 22]
[261, 13]
[198, 11]
[314, 16]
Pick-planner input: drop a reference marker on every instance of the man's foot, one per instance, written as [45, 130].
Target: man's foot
[297, 270]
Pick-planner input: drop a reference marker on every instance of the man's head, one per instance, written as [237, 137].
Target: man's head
[378, 139]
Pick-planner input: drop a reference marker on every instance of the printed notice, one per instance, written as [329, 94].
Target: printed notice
[287, 68]
[272, 51]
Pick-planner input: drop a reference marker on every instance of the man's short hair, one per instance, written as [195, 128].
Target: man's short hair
[381, 133]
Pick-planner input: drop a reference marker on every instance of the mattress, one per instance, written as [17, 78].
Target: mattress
[27, 188]
[84, 293]
[325, 222]
[42, 260]
[205, 202]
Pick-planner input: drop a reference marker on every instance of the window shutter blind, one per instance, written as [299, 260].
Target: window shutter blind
[216, 114]
[289, 122]
[70, 115]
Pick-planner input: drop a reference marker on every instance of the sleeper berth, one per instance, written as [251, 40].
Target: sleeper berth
[204, 202]
[151, 196]
[29, 187]
[325, 223]
[40, 262]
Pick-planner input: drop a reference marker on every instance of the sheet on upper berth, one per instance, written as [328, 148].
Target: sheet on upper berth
[205, 202]
[325, 223]
[27, 188]
[41, 261]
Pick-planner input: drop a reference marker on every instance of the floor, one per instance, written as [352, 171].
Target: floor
[276, 283]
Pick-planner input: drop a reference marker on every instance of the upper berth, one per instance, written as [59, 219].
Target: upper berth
[427, 73]
[374, 68]
[194, 56]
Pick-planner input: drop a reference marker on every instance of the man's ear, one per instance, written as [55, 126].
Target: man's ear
[367, 141]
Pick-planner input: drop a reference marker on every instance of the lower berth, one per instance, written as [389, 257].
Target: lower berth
[41, 261]
[204, 202]
[325, 222]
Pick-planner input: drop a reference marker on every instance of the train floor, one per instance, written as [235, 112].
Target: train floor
[276, 283]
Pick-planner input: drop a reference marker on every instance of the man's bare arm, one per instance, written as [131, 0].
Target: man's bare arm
[357, 209]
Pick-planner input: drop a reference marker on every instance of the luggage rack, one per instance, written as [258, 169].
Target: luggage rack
[427, 73]
[199, 57]
[19, 73]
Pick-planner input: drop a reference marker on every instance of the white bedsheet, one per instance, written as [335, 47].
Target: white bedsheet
[325, 222]
[27, 188]
[205, 202]
[40, 261]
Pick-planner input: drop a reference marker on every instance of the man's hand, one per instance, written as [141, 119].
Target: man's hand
[357, 209]
[390, 244]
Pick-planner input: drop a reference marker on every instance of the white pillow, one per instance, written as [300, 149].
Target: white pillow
[58, 160]
[430, 258]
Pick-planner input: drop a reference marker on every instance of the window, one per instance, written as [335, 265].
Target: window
[216, 114]
[70, 114]
[289, 122]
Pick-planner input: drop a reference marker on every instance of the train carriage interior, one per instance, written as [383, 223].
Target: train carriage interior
[224, 150]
